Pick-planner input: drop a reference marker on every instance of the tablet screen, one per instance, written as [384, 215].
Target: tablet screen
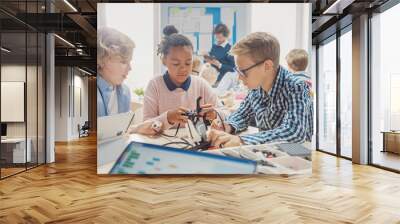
[142, 158]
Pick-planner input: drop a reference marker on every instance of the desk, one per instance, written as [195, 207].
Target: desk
[109, 151]
[391, 141]
[15, 148]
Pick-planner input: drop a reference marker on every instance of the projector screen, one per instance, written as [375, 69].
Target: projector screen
[12, 101]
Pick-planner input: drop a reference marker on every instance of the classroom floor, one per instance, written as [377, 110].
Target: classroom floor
[70, 191]
[386, 159]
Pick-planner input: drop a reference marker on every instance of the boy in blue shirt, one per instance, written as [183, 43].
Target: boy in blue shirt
[279, 101]
[221, 59]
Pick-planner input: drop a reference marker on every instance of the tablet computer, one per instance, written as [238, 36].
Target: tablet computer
[143, 158]
[109, 127]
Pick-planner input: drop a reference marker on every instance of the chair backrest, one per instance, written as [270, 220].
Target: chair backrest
[86, 125]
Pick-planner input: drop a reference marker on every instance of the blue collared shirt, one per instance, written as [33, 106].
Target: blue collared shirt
[104, 90]
[221, 53]
[284, 114]
[171, 85]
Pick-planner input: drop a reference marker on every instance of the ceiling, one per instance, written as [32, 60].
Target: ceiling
[76, 23]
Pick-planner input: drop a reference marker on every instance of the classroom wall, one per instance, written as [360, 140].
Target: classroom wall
[140, 30]
[242, 22]
[17, 73]
[34, 125]
[290, 23]
[71, 102]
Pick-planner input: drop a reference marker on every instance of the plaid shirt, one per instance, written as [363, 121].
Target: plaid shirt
[284, 114]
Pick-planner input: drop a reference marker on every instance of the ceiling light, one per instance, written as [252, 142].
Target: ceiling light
[338, 6]
[86, 72]
[64, 40]
[5, 50]
[70, 5]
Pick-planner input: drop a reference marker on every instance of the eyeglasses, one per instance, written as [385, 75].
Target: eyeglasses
[242, 72]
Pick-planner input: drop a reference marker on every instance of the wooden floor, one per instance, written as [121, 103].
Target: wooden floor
[70, 191]
[10, 171]
[387, 159]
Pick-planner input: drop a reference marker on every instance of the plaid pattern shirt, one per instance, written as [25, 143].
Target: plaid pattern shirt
[284, 114]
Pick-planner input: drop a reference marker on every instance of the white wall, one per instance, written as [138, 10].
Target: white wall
[136, 21]
[14, 72]
[142, 22]
[68, 81]
[33, 126]
[242, 10]
[289, 23]
[61, 103]
[80, 83]
[242, 21]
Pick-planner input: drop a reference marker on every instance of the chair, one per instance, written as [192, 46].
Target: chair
[84, 130]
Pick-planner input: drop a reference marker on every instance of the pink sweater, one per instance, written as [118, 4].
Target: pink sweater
[158, 99]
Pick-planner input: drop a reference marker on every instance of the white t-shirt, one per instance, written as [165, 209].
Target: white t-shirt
[113, 103]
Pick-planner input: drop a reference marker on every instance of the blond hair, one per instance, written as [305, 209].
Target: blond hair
[297, 59]
[259, 46]
[111, 43]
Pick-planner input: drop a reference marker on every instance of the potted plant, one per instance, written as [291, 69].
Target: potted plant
[139, 92]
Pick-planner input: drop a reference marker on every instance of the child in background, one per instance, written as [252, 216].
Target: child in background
[220, 58]
[209, 73]
[297, 61]
[196, 65]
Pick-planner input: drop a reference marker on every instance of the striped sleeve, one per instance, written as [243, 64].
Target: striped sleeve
[293, 127]
[240, 119]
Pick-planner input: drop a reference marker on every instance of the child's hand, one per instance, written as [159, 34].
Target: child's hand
[216, 63]
[145, 128]
[217, 125]
[222, 139]
[177, 115]
[209, 111]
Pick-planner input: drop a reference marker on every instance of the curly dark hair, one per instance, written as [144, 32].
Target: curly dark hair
[170, 29]
[222, 29]
[173, 40]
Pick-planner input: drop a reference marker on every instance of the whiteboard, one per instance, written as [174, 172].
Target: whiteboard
[12, 101]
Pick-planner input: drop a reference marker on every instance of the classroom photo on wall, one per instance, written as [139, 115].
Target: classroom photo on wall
[204, 88]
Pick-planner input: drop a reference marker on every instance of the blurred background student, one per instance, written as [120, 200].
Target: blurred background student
[297, 61]
[114, 55]
[196, 65]
[219, 53]
[209, 73]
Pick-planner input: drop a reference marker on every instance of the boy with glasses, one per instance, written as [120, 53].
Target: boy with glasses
[279, 102]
